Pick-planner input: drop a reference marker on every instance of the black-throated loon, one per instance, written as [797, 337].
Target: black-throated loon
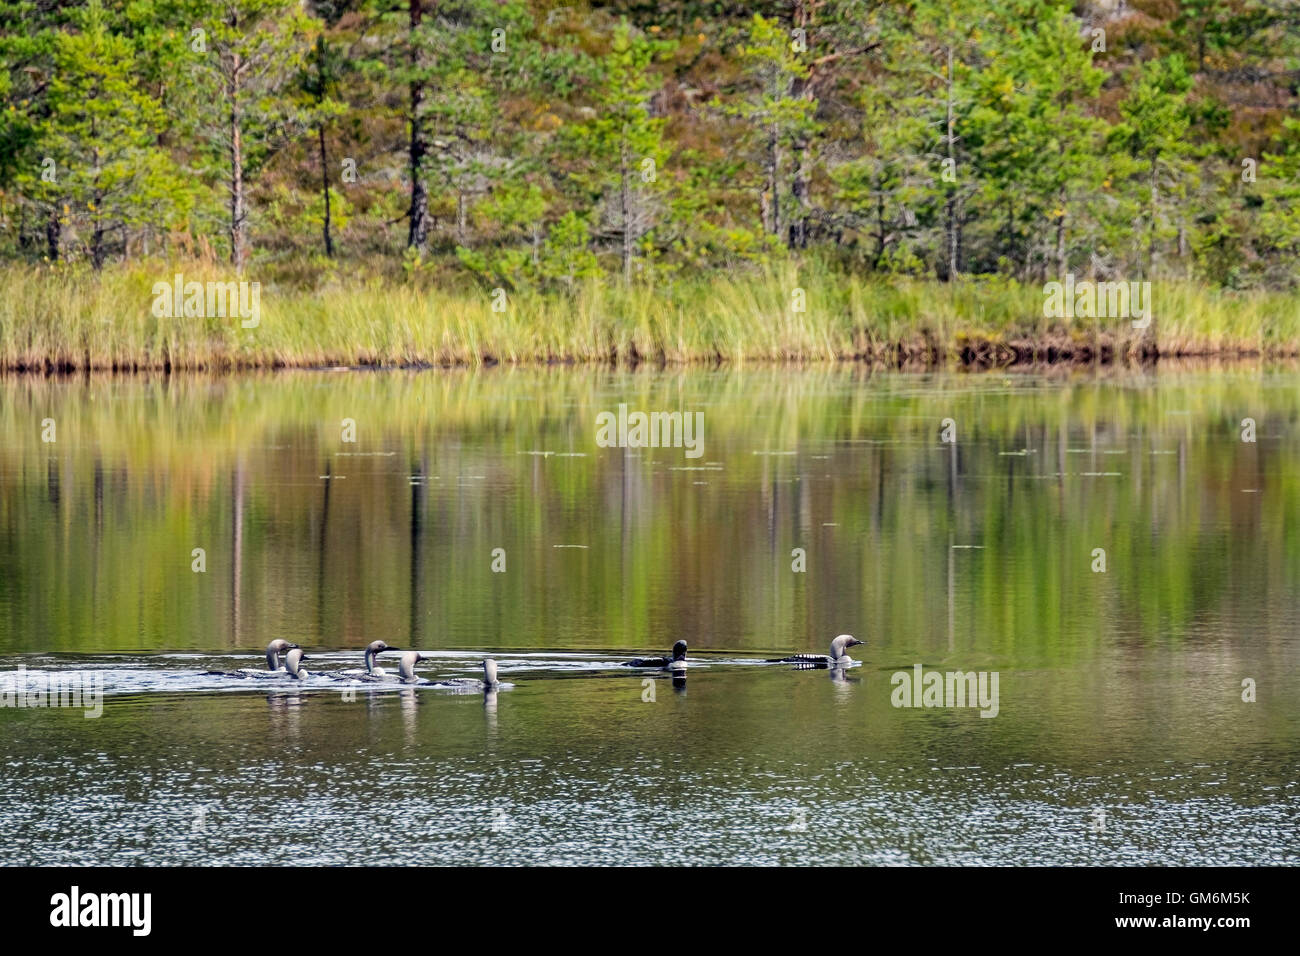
[488, 683]
[406, 670]
[371, 672]
[676, 663]
[838, 657]
[406, 667]
[293, 664]
[274, 668]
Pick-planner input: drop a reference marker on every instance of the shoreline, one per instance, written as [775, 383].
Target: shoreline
[970, 352]
[972, 356]
[1024, 358]
[69, 320]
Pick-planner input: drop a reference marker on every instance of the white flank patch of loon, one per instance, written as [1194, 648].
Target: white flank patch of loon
[676, 663]
[490, 681]
[274, 667]
[838, 657]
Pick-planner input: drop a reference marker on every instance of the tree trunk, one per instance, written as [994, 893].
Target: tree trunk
[1060, 239]
[625, 206]
[1151, 232]
[798, 238]
[959, 210]
[97, 244]
[53, 228]
[774, 179]
[950, 235]
[1009, 245]
[801, 89]
[881, 234]
[325, 190]
[97, 230]
[419, 211]
[950, 207]
[799, 189]
[238, 251]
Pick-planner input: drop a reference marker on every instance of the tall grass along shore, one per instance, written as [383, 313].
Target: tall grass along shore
[67, 318]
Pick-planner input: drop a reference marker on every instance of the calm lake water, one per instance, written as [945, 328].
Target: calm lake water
[1121, 734]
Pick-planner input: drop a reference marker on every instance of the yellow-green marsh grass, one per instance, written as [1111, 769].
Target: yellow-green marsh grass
[73, 318]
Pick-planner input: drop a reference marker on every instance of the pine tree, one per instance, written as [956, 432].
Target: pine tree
[28, 34]
[776, 112]
[625, 144]
[99, 134]
[319, 84]
[475, 55]
[244, 58]
[827, 35]
[1034, 136]
[1152, 136]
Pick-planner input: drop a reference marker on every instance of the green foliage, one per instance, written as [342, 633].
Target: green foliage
[242, 63]
[623, 172]
[775, 114]
[540, 145]
[99, 174]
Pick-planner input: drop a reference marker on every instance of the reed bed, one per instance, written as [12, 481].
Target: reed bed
[70, 318]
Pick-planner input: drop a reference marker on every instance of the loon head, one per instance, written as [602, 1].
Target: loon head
[373, 648]
[293, 663]
[840, 646]
[490, 672]
[274, 650]
[406, 667]
[678, 664]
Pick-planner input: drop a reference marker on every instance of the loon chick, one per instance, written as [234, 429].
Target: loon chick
[373, 649]
[839, 655]
[293, 664]
[273, 666]
[676, 663]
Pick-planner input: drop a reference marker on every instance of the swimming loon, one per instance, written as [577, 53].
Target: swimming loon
[273, 666]
[489, 684]
[373, 649]
[489, 681]
[676, 663]
[406, 670]
[273, 652]
[406, 667]
[839, 655]
[293, 664]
